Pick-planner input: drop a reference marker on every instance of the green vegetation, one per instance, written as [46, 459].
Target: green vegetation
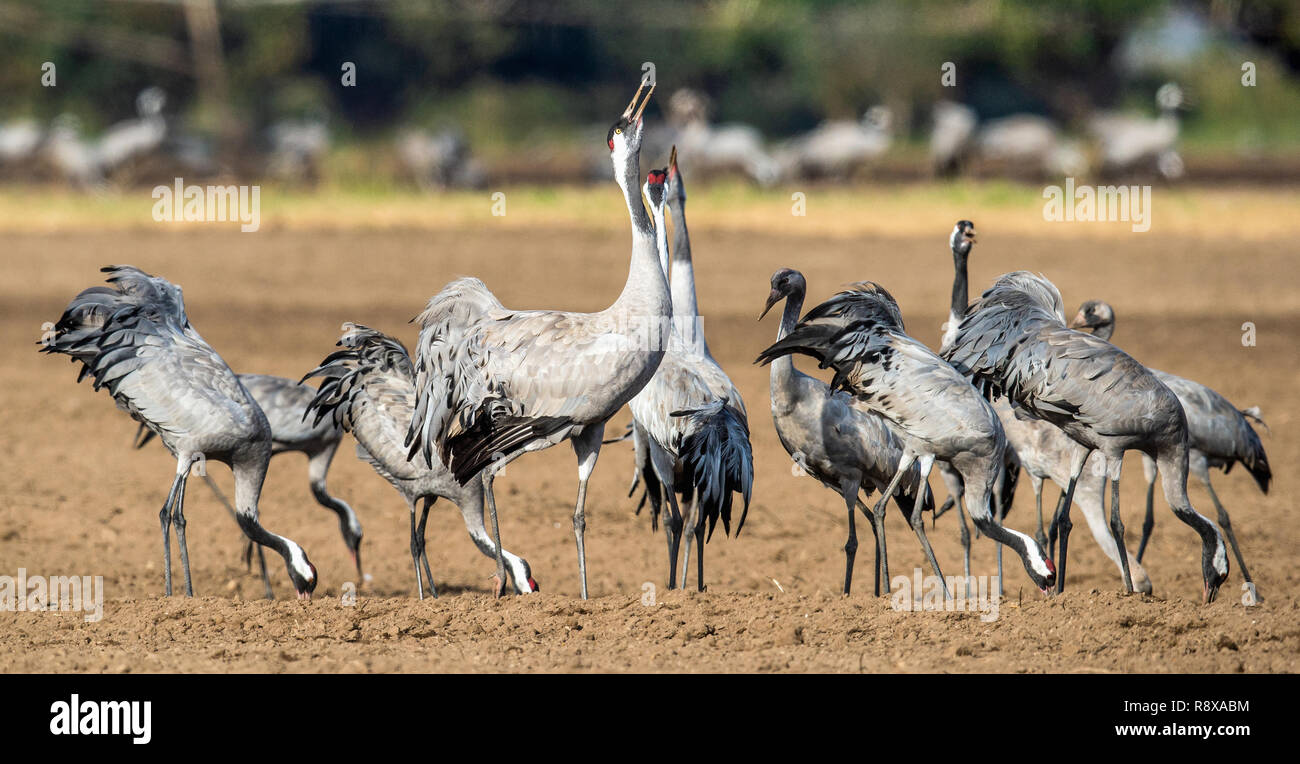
[530, 75]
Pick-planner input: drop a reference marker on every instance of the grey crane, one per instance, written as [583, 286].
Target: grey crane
[695, 429]
[1029, 143]
[833, 437]
[135, 339]
[950, 136]
[285, 401]
[1014, 342]
[137, 137]
[296, 147]
[686, 321]
[837, 148]
[71, 155]
[19, 140]
[1126, 142]
[493, 384]
[368, 389]
[718, 148]
[933, 409]
[439, 160]
[1219, 434]
[1047, 453]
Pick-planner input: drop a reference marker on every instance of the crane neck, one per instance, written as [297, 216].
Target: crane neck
[783, 367]
[686, 307]
[628, 177]
[661, 237]
[960, 286]
[1104, 331]
[646, 288]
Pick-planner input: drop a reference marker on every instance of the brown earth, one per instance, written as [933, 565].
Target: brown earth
[77, 500]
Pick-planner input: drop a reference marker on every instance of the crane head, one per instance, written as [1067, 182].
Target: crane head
[626, 132]
[654, 187]
[673, 187]
[962, 238]
[785, 283]
[1096, 316]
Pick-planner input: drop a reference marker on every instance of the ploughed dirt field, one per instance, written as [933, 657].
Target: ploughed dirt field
[76, 499]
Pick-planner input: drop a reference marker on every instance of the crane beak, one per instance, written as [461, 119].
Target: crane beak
[772, 299]
[1079, 321]
[633, 113]
[672, 162]
[637, 118]
[970, 235]
[627, 113]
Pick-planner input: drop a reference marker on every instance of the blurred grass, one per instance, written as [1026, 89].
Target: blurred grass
[911, 209]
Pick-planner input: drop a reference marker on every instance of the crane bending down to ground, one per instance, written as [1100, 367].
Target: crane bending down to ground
[135, 339]
[695, 429]
[1219, 434]
[493, 384]
[285, 401]
[1014, 342]
[934, 411]
[832, 437]
[368, 389]
[1047, 453]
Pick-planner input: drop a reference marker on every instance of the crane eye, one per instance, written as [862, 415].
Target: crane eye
[618, 130]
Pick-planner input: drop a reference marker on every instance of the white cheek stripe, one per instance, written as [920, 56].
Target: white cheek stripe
[299, 561]
[1031, 546]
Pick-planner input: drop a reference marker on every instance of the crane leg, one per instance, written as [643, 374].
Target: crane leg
[661, 467]
[178, 519]
[1041, 537]
[849, 490]
[1052, 529]
[1062, 522]
[587, 448]
[965, 546]
[699, 543]
[999, 512]
[875, 533]
[1116, 466]
[1149, 522]
[672, 532]
[918, 522]
[165, 517]
[948, 504]
[429, 501]
[266, 576]
[878, 511]
[415, 552]
[489, 475]
[691, 529]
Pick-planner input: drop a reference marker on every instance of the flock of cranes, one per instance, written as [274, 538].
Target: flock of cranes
[1012, 386]
[294, 149]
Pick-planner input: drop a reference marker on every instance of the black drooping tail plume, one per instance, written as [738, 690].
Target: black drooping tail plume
[718, 462]
[365, 350]
[848, 325]
[105, 327]
[1254, 458]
